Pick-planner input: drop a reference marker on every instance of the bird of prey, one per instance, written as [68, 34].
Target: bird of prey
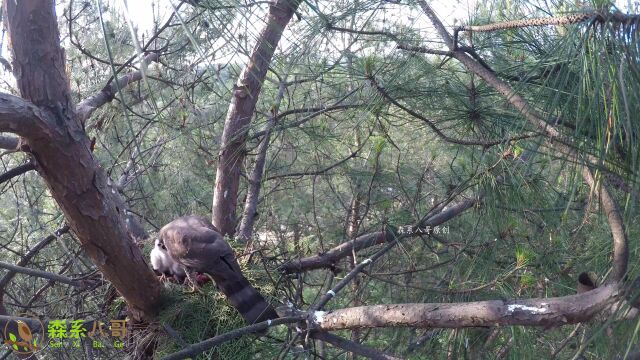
[163, 265]
[195, 243]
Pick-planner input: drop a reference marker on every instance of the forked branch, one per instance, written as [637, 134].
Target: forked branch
[556, 139]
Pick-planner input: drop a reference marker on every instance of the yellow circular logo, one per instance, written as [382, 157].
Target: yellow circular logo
[23, 334]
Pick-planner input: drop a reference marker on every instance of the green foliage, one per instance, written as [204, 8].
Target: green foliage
[200, 316]
[538, 225]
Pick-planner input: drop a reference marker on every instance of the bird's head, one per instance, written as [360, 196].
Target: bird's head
[160, 244]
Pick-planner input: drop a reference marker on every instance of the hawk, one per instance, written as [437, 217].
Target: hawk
[196, 244]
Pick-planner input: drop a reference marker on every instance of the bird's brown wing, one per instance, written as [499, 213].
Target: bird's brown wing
[198, 247]
[196, 220]
[203, 249]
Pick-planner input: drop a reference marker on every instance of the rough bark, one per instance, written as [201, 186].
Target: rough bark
[19, 116]
[531, 312]
[241, 108]
[54, 137]
[38, 60]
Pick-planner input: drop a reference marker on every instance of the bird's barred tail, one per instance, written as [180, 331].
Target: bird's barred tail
[247, 300]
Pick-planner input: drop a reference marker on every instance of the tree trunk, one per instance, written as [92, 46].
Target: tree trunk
[60, 148]
[241, 108]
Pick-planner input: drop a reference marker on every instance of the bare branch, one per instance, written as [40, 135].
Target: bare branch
[255, 179]
[317, 172]
[34, 325]
[530, 312]
[435, 129]
[320, 109]
[364, 32]
[329, 258]
[31, 253]
[40, 273]
[86, 107]
[614, 218]
[131, 170]
[16, 171]
[424, 50]
[315, 112]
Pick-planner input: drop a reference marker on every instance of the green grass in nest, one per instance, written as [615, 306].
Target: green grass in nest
[200, 316]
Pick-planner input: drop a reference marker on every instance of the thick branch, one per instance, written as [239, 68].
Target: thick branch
[241, 108]
[60, 148]
[530, 312]
[559, 20]
[34, 325]
[611, 210]
[20, 117]
[38, 60]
